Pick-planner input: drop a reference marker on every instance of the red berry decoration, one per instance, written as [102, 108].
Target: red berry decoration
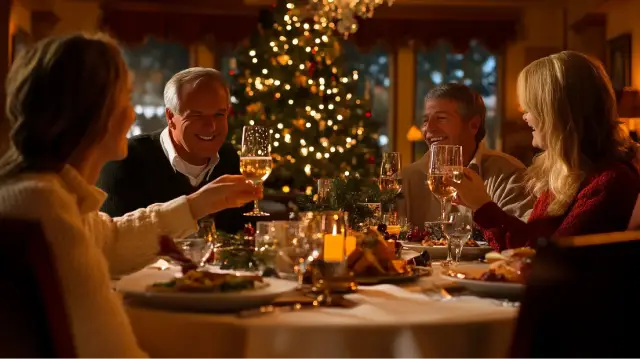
[249, 231]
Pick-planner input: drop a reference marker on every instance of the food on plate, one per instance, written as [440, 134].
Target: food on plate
[374, 256]
[204, 281]
[514, 267]
[443, 242]
[433, 237]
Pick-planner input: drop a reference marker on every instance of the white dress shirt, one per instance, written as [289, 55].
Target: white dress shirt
[195, 174]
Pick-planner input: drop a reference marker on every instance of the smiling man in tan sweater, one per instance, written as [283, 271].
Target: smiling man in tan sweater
[455, 115]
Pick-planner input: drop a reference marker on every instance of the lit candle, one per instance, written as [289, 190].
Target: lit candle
[334, 246]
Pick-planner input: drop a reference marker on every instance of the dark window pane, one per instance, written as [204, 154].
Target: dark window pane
[152, 65]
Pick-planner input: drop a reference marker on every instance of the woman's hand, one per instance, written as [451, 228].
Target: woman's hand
[471, 192]
[227, 191]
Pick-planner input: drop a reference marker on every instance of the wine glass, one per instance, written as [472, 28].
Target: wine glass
[296, 249]
[458, 228]
[265, 246]
[445, 166]
[195, 247]
[255, 159]
[390, 176]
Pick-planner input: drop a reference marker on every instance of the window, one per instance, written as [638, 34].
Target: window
[152, 65]
[476, 68]
[373, 85]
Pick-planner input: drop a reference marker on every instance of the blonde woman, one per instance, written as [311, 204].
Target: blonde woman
[585, 180]
[68, 105]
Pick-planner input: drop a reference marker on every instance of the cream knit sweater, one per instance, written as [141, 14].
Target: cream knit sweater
[89, 247]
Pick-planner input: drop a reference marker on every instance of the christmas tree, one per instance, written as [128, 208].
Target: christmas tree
[289, 77]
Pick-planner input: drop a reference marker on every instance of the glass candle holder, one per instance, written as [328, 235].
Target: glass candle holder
[330, 273]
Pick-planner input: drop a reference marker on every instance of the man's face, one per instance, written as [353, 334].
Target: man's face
[202, 127]
[442, 124]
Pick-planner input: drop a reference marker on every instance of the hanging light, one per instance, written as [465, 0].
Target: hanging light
[344, 12]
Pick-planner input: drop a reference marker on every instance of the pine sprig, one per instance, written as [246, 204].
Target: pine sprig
[235, 251]
[350, 195]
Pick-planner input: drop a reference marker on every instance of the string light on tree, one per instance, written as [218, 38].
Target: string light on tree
[293, 70]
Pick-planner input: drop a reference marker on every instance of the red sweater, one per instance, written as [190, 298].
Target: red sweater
[604, 204]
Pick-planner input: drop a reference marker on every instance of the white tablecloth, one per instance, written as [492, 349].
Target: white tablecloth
[390, 322]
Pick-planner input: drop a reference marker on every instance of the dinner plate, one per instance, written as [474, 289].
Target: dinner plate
[440, 252]
[417, 273]
[134, 289]
[499, 289]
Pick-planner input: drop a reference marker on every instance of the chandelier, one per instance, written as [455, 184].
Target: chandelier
[344, 12]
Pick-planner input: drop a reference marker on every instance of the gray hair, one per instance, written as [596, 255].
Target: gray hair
[188, 76]
[470, 103]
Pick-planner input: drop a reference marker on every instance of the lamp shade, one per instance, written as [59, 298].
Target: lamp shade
[629, 103]
[414, 134]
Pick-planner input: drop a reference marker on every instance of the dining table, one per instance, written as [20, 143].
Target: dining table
[410, 320]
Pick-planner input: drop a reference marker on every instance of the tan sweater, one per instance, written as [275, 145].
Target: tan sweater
[89, 247]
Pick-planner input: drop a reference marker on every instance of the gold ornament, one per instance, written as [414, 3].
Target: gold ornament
[301, 80]
[283, 59]
[254, 108]
[299, 123]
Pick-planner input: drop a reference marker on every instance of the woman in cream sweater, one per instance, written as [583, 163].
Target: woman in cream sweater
[69, 108]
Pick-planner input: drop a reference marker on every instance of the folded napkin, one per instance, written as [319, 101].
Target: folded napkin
[385, 293]
[162, 264]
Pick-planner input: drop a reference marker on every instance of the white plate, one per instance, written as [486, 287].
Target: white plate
[440, 252]
[134, 288]
[500, 289]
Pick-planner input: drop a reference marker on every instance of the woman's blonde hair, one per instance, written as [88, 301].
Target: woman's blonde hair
[571, 97]
[61, 94]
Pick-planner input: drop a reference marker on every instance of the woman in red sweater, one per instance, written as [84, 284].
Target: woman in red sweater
[585, 180]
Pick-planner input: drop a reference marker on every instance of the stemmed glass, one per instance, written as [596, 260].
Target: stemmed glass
[297, 249]
[458, 228]
[265, 246]
[255, 158]
[445, 166]
[196, 248]
[390, 172]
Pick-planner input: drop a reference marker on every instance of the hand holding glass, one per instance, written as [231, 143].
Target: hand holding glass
[445, 165]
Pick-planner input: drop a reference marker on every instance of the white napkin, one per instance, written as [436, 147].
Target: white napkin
[162, 264]
[385, 292]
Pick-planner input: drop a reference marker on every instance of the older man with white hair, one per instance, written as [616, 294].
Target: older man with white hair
[189, 153]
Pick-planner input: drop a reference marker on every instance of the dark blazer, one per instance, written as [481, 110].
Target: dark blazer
[146, 177]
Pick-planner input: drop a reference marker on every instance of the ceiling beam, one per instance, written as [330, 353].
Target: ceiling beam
[232, 8]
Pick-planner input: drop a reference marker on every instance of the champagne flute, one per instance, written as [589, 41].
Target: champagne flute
[390, 176]
[255, 159]
[445, 165]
